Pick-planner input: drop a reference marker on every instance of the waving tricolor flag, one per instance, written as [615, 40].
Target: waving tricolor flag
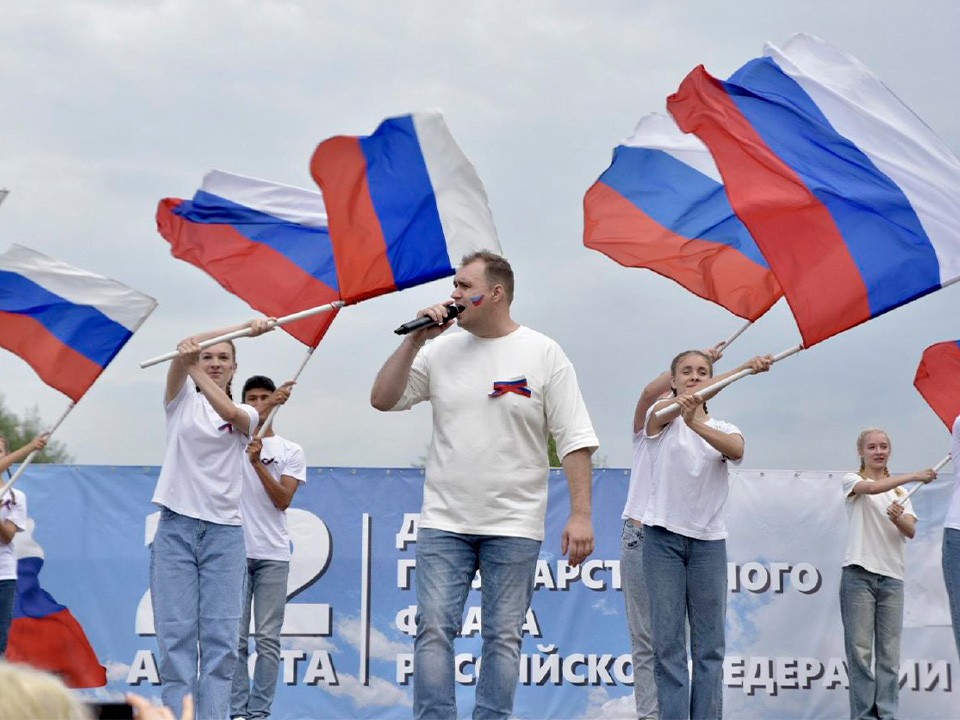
[661, 205]
[265, 242]
[404, 205]
[853, 200]
[938, 380]
[67, 323]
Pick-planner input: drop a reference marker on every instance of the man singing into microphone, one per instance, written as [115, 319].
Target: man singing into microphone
[498, 390]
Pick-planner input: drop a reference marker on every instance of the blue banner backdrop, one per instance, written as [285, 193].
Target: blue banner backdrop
[347, 641]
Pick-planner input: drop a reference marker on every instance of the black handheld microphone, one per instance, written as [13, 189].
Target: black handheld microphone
[427, 321]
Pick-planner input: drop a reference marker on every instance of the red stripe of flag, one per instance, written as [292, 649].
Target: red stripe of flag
[938, 380]
[57, 364]
[363, 269]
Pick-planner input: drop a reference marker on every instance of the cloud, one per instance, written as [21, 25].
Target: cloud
[379, 692]
[381, 647]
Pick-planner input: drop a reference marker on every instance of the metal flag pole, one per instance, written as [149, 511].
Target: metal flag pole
[33, 453]
[336, 305]
[273, 411]
[936, 468]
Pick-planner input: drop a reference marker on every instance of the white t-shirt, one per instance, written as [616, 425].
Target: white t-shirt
[953, 512]
[641, 472]
[873, 541]
[264, 524]
[13, 507]
[689, 482]
[200, 476]
[487, 465]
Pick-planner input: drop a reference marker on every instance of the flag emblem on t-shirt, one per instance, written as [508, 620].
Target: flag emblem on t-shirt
[517, 385]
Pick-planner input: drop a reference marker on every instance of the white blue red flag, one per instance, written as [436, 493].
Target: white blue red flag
[44, 633]
[938, 380]
[67, 323]
[853, 200]
[266, 243]
[661, 205]
[404, 205]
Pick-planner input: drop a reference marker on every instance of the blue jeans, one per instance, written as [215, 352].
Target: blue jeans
[446, 563]
[196, 582]
[637, 599]
[871, 607]
[266, 585]
[8, 593]
[951, 577]
[687, 579]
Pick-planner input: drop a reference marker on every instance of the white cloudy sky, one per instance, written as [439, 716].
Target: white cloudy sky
[109, 105]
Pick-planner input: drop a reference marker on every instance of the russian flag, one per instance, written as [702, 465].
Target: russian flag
[852, 199]
[46, 635]
[67, 323]
[938, 380]
[404, 205]
[266, 243]
[661, 205]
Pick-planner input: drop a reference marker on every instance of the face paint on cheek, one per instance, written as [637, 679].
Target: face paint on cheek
[476, 300]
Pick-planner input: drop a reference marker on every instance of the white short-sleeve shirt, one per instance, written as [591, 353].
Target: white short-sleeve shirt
[873, 541]
[13, 507]
[264, 524]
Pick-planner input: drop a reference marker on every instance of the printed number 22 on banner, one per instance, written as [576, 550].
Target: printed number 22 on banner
[311, 556]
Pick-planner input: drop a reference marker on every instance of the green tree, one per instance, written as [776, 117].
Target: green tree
[20, 430]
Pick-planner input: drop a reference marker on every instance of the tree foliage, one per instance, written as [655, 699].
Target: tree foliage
[20, 430]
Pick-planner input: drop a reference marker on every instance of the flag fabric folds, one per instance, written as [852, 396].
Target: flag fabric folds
[853, 200]
[404, 205]
[265, 242]
[47, 635]
[67, 323]
[938, 380]
[661, 205]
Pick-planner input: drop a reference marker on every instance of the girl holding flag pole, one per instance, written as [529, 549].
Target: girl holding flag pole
[198, 559]
[684, 547]
[871, 587]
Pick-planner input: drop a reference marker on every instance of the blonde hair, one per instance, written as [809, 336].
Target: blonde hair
[863, 436]
[30, 694]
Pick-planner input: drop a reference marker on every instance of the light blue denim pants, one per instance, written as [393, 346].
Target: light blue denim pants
[637, 600]
[871, 607]
[951, 577]
[446, 563]
[266, 586]
[687, 580]
[196, 582]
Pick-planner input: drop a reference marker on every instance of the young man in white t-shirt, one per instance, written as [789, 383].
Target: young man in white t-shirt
[951, 539]
[274, 471]
[13, 519]
[497, 391]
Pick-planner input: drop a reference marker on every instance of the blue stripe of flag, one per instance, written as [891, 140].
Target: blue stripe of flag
[879, 225]
[679, 197]
[309, 248]
[81, 327]
[405, 203]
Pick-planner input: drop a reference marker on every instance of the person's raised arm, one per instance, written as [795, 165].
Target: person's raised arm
[875, 487]
[660, 386]
[12, 458]
[177, 371]
[392, 379]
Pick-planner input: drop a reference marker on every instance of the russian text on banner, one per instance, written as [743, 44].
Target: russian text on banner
[853, 200]
[264, 242]
[67, 323]
[404, 205]
[938, 380]
[661, 205]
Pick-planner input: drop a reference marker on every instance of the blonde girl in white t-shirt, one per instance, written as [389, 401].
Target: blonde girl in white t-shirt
[881, 519]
